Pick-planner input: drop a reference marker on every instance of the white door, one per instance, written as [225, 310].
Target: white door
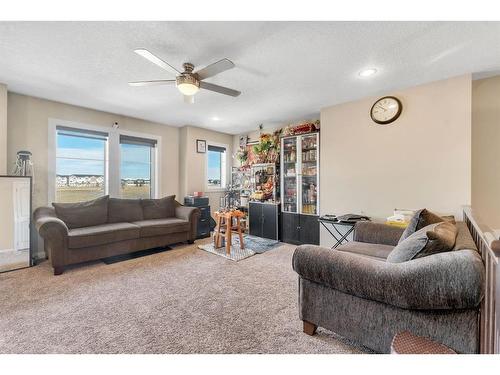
[21, 215]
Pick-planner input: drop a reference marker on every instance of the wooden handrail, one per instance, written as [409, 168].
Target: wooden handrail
[489, 247]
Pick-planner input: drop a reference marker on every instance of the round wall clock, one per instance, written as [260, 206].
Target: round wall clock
[386, 110]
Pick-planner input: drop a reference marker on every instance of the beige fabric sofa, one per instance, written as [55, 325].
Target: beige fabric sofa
[80, 232]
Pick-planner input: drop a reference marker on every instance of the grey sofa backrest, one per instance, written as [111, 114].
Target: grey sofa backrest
[464, 239]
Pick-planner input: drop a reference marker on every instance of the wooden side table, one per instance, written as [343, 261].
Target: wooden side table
[407, 343]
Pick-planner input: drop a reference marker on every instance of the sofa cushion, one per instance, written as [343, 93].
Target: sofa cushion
[367, 249]
[160, 227]
[432, 239]
[124, 210]
[158, 208]
[423, 218]
[101, 235]
[83, 214]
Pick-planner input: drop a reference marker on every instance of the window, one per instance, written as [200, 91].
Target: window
[136, 167]
[80, 165]
[86, 162]
[216, 167]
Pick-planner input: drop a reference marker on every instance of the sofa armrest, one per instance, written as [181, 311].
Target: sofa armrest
[383, 234]
[54, 233]
[452, 280]
[190, 214]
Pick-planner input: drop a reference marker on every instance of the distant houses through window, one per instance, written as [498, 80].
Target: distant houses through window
[80, 165]
[136, 167]
[90, 163]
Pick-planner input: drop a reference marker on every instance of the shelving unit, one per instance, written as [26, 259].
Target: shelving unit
[264, 213]
[264, 179]
[300, 188]
[241, 181]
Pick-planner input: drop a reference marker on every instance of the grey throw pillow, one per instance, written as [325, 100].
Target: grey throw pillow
[158, 208]
[432, 239]
[83, 214]
[420, 219]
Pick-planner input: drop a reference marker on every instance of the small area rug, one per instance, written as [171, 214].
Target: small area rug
[253, 245]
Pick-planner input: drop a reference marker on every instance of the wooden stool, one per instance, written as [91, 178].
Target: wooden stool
[407, 343]
[225, 228]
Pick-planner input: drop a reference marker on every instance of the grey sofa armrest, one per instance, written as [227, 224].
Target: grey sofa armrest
[365, 231]
[190, 214]
[452, 280]
[54, 233]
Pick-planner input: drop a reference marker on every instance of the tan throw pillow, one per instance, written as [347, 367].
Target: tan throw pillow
[441, 239]
[432, 239]
[421, 219]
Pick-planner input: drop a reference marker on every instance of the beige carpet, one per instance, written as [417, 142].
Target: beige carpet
[11, 260]
[184, 300]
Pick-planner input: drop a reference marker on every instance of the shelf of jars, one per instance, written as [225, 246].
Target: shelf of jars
[299, 157]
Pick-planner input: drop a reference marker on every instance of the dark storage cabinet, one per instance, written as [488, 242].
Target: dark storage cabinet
[263, 219]
[299, 229]
[203, 227]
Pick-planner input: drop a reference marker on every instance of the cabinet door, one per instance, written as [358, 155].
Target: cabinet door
[203, 228]
[309, 229]
[290, 228]
[270, 221]
[289, 174]
[255, 219]
[309, 167]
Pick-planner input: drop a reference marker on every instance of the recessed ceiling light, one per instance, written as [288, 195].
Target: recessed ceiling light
[367, 72]
[215, 118]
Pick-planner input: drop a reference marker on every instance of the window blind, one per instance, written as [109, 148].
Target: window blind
[216, 148]
[126, 139]
[81, 133]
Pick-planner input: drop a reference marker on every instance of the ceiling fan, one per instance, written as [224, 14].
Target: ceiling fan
[188, 82]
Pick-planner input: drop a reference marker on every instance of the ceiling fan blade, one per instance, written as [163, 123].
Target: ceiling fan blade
[219, 89]
[153, 83]
[215, 68]
[156, 60]
[189, 99]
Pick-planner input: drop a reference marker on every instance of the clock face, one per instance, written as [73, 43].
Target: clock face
[386, 110]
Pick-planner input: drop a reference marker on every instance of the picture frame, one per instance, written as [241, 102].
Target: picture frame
[201, 146]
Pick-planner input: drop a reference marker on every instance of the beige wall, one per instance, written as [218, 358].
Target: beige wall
[3, 130]
[486, 150]
[28, 130]
[421, 160]
[193, 174]
[6, 214]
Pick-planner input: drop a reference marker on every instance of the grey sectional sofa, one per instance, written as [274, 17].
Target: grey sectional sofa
[355, 293]
[79, 232]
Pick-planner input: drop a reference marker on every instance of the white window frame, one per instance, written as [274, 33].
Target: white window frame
[112, 158]
[224, 179]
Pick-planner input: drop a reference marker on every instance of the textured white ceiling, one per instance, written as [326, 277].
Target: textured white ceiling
[286, 71]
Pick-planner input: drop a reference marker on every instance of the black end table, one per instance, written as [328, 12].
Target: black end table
[339, 235]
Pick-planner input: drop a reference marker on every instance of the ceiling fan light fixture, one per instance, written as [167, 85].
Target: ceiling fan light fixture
[188, 85]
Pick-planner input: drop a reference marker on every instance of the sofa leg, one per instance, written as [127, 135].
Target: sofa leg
[309, 328]
[58, 270]
[190, 242]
